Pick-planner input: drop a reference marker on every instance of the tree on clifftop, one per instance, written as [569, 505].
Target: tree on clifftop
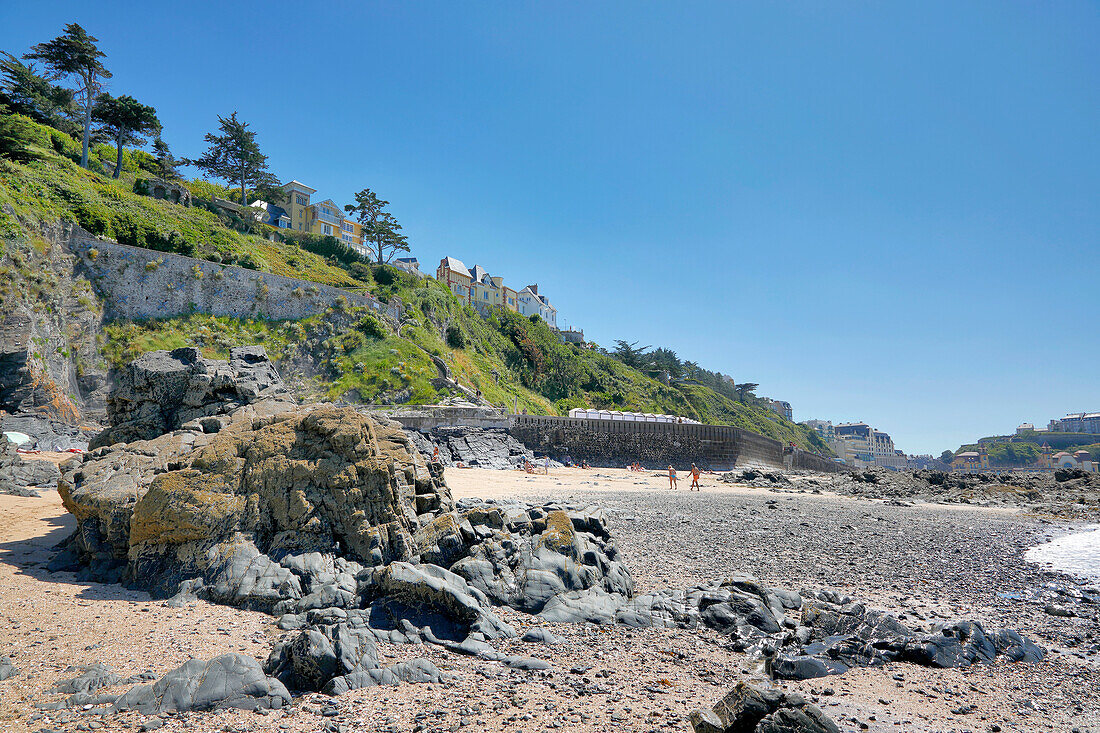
[745, 388]
[75, 54]
[165, 162]
[631, 354]
[127, 120]
[28, 93]
[234, 157]
[378, 225]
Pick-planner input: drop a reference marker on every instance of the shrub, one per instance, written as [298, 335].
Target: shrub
[455, 338]
[371, 325]
[93, 254]
[20, 138]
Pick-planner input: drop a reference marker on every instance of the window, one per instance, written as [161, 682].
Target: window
[486, 294]
[326, 229]
[302, 200]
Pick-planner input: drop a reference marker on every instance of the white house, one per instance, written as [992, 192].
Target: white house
[530, 303]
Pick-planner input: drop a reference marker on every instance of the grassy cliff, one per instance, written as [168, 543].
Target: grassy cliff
[344, 354]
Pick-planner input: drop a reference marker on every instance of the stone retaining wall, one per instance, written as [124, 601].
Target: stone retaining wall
[138, 283]
[619, 443]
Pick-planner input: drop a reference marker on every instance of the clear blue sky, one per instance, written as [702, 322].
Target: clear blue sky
[878, 211]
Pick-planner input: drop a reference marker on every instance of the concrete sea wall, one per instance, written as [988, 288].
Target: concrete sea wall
[138, 283]
[618, 443]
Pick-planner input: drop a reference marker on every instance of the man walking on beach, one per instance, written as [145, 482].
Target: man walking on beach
[695, 478]
[671, 477]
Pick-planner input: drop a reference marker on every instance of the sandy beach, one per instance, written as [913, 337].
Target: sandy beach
[922, 562]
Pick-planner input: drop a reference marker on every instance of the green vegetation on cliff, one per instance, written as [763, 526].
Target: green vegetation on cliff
[345, 354]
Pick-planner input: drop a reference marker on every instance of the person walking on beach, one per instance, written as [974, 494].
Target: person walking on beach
[695, 478]
[672, 478]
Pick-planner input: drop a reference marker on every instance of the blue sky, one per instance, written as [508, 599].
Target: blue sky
[878, 211]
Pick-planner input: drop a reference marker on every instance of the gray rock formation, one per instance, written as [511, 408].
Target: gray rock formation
[22, 476]
[7, 668]
[163, 391]
[476, 447]
[228, 681]
[749, 709]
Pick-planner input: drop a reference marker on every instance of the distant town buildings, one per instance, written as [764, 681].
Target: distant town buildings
[1080, 459]
[1080, 422]
[859, 445]
[971, 460]
[485, 292]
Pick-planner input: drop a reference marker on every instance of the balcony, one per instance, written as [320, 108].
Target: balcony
[336, 221]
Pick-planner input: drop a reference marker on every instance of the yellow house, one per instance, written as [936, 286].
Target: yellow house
[486, 291]
[509, 296]
[297, 205]
[455, 276]
[324, 218]
[971, 460]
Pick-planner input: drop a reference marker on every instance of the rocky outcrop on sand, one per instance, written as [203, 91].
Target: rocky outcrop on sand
[493, 448]
[1069, 493]
[750, 709]
[323, 515]
[228, 681]
[801, 635]
[22, 477]
[163, 391]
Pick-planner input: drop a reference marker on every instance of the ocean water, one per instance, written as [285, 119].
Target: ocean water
[1075, 554]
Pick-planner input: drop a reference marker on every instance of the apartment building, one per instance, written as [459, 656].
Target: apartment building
[862, 445]
[1078, 422]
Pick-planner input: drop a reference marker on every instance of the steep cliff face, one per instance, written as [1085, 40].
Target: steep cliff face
[50, 318]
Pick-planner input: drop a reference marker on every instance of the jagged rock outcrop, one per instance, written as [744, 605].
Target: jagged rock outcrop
[20, 476]
[225, 507]
[493, 448]
[523, 556]
[163, 391]
[750, 709]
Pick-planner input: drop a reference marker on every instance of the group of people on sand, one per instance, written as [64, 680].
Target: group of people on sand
[532, 466]
[695, 473]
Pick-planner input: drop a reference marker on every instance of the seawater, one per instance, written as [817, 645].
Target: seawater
[1075, 554]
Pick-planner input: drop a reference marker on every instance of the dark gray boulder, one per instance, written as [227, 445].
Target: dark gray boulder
[228, 681]
[310, 659]
[750, 709]
[429, 588]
